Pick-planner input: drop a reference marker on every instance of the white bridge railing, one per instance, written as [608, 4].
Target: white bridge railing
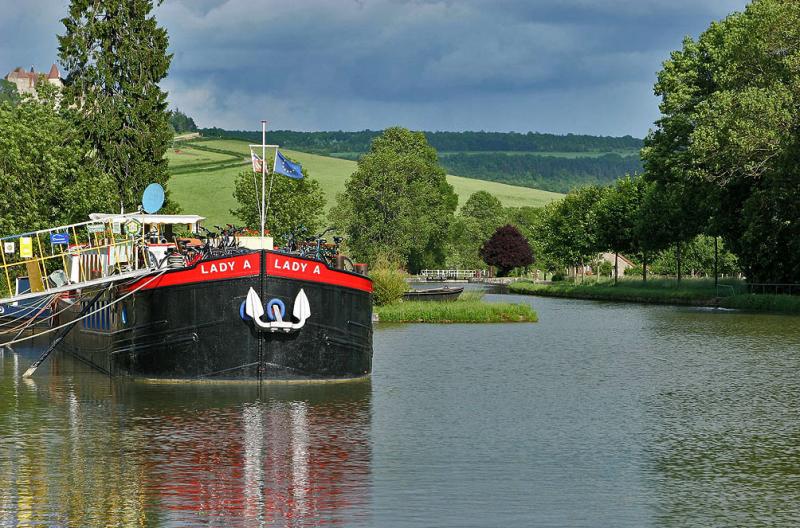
[453, 274]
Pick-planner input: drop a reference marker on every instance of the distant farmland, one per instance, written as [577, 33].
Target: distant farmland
[551, 162]
[203, 174]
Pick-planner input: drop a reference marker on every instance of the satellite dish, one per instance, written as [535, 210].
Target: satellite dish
[152, 198]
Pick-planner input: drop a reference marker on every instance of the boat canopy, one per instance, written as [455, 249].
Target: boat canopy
[165, 219]
[108, 248]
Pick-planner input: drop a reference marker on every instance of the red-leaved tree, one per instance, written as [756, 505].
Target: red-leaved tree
[507, 249]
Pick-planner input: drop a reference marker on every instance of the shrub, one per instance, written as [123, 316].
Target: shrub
[635, 271]
[507, 249]
[388, 281]
[605, 268]
[557, 277]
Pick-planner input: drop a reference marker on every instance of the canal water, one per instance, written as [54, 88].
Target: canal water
[602, 414]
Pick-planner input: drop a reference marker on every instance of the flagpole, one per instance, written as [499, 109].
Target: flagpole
[271, 179]
[263, 177]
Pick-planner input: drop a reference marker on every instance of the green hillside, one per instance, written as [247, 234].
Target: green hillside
[203, 173]
[549, 162]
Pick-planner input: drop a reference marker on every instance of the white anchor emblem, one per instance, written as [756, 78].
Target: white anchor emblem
[255, 309]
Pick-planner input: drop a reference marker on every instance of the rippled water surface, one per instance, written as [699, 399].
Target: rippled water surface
[600, 415]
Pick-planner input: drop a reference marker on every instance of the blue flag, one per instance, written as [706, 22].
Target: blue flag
[286, 167]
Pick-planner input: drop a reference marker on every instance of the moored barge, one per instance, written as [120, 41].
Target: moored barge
[133, 300]
[193, 322]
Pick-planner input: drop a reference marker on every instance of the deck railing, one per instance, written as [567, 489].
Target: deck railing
[453, 274]
[777, 289]
[73, 254]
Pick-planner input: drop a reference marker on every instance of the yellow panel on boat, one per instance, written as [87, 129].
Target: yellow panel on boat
[35, 275]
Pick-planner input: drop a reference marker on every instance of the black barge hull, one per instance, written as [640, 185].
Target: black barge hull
[190, 324]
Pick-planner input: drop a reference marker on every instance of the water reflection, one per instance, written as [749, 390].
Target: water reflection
[721, 433]
[725, 434]
[602, 414]
[79, 450]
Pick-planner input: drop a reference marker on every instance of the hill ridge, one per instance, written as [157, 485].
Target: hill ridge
[466, 141]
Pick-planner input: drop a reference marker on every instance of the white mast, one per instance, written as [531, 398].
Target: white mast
[263, 178]
[264, 208]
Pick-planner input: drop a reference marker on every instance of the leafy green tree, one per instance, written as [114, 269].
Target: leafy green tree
[181, 123]
[294, 204]
[484, 207]
[729, 138]
[507, 249]
[398, 202]
[672, 214]
[531, 223]
[46, 175]
[464, 242]
[616, 215]
[115, 55]
[478, 218]
[570, 231]
[652, 231]
[8, 92]
[698, 259]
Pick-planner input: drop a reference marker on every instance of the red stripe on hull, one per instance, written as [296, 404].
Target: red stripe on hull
[207, 270]
[247, 265]
[279, 265]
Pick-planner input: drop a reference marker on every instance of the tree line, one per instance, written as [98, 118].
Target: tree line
[723, 156]
[550, 173]
[359, 142]
[398, 206]
[720, 164]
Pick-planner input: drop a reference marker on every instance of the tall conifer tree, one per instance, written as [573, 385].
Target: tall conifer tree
[115, 55]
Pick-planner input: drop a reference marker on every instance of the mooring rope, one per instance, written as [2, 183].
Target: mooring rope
[29, 323]
[28, 309]
[89, 314]
[84, 294]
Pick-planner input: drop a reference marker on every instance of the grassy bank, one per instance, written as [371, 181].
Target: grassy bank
[691, 292]
[471, 308]
[787, 304]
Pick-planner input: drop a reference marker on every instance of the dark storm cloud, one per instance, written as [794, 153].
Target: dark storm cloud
[554, 65]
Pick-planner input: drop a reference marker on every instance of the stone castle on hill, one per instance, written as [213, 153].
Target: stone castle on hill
[25, 81]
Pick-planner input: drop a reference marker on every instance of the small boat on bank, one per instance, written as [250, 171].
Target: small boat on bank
[433, 294]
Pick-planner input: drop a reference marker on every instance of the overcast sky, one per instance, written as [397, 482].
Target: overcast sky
[581, 66]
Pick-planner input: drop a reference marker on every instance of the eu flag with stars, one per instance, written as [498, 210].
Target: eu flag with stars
[286, 167]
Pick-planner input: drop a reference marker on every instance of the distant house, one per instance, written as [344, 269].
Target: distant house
[587, 270]
[624, 263]
[26, 80]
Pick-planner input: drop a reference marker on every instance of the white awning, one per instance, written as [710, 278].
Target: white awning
[153, 218]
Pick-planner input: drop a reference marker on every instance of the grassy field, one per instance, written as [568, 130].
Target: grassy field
[181, 157]
[203, 173]
[694, 292]
[470, 308]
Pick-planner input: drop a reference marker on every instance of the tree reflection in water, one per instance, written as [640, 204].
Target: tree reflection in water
[723, 434]
[80, 450]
